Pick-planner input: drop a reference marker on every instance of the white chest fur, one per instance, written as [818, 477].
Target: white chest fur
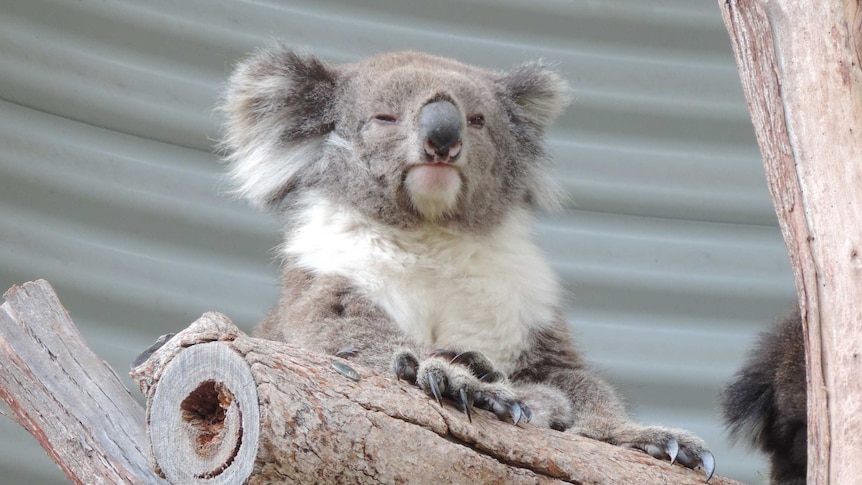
[452, 291]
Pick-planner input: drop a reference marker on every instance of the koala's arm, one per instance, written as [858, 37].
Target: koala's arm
[766, 406]
[325, 314]
[552, 377]
[550, 385]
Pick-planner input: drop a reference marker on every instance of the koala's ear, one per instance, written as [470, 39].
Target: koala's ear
[279, 107]
[538, 90]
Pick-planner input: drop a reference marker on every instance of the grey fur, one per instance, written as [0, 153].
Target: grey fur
[766, 405]
[298, 129]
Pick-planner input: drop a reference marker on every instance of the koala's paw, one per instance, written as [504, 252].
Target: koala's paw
[466, 378]
[671, 444]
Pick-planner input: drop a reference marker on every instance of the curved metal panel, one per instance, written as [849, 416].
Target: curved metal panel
[668, 247]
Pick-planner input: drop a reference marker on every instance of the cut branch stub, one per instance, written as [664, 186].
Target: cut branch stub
[208, 422]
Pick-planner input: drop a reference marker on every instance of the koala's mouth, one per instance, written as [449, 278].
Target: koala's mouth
[433, 187]
[444, 154]
[439, 164]
[436, 170]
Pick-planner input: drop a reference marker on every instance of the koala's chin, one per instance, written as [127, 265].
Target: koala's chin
[433, 188]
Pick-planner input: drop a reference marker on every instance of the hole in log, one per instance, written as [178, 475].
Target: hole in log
[204, 410]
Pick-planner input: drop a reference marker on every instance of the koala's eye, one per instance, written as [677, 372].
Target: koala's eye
[476, 121]
[385, 118]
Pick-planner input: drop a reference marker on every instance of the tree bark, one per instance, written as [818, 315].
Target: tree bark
[799, 63]
[226, 408]
[65, 395]
[314, 424]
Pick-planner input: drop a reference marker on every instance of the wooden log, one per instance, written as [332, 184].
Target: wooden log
[221, 404]
[799, 63]
[65, 395]
[226, 408]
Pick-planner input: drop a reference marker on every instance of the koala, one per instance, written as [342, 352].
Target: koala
[766, 406]
[406, 184]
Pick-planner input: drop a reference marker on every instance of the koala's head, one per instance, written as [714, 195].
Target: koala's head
[405, 138]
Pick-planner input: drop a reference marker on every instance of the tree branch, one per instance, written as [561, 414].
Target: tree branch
[317, 425]
[224, 408]
[65, 395]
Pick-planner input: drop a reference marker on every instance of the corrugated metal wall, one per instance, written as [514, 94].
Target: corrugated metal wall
[109, 190]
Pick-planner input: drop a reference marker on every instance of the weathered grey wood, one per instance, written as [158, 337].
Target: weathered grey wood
[800, 68]
[66, 396]
[318, 426]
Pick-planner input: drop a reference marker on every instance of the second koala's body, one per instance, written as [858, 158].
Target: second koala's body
[406, 182]
[766, 405]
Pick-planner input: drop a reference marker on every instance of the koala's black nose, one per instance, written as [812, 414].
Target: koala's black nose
[440, 127]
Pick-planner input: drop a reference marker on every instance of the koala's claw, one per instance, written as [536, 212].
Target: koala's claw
[528, 415]
[708, 462]
[435, 382]
[347, 352]
[516, 413]
[676, 445]
[438, 385]
[466, 378]
[506, 408]
[672, 449]
[466, 402]
[704, 459]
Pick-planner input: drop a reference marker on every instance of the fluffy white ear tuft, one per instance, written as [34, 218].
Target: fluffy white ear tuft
[538, 90]
[278, 112]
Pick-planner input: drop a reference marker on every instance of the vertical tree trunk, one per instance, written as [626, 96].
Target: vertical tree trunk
[799, 63]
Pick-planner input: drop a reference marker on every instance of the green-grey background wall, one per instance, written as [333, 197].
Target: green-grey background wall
[109, 188]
